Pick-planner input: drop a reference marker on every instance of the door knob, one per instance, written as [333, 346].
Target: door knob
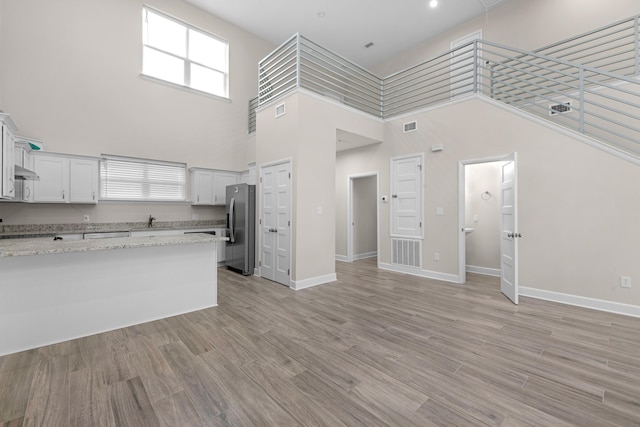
[510, 235]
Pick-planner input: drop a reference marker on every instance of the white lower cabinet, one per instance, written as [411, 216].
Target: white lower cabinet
[221, 245]
[65, 179]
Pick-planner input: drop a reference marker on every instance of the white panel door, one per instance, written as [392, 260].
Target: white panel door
[406, 196]
[462, 65]
[275, 196]
[509, 246]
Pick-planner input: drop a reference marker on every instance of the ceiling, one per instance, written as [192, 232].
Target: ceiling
[346, 26]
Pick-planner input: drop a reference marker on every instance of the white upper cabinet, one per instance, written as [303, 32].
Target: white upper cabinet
[65, 179]
[208, 186]
[53, 186]
[7, 175]
[220, 181]
[83, 181]
[201, 187]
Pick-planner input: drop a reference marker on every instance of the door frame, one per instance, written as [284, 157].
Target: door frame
[462, 250]
[350, 193]
[260, 168]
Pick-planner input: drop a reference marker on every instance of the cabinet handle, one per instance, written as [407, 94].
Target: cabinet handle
[93, 195]
[63, 196]
[198, 198]
[28, 192]
[13, 186]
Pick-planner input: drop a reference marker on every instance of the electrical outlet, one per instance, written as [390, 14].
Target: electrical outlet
[625, 281]
[436, 256]
[86, 218]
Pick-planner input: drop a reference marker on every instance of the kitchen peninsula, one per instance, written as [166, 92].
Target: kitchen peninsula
[57, 290]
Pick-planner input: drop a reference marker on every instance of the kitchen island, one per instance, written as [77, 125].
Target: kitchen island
[56, 290]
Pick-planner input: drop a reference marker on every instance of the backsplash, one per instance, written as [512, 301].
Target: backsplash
[110, 226]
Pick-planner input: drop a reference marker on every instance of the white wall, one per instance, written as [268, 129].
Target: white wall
[577, 219]
[70, 76]
[482, 211]
[307, 135]
[524, 24]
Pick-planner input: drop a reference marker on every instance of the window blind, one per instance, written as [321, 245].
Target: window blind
[126, 178]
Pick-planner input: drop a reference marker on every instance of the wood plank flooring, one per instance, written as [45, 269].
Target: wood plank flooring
[374, 348]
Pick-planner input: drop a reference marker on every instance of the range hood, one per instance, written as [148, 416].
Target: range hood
[25, 174]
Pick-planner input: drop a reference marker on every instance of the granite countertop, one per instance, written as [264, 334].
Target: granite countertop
[50, 230]
[42, 245]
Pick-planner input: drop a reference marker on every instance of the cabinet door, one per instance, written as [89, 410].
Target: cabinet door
[7, 161]
[202, 187]
[83, 181]
[220, 182]
[53, 186]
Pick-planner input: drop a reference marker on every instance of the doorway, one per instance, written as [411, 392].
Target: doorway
[488, 207]
[362, 217]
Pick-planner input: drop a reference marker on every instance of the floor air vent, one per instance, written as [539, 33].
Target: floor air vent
[564, 108]
[406, 252]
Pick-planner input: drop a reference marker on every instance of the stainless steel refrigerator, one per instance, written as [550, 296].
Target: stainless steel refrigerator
[241, 225]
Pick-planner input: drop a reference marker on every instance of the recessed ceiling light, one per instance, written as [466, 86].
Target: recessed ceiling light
[321, 14]
[433, 3]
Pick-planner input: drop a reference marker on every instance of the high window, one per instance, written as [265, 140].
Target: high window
[128, 178]
[176, 52]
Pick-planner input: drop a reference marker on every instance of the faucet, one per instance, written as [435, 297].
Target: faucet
[150, 223]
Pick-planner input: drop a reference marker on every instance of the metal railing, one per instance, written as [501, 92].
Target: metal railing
[299, 62]
[599, 97]
[591, 101]
[606, 48]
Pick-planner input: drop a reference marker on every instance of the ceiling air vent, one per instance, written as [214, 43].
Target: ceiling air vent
[564, 108]
[410, 127]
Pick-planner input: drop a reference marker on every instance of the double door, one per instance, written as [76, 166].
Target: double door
[275, 222]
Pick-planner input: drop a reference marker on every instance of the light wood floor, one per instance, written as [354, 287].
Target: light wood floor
[375, 348]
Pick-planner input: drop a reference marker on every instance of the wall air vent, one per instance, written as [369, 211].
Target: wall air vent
[280, 110]
[406, 252]
[564, 108]
[410, 127]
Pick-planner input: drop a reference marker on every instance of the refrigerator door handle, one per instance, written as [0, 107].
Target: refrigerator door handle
[232, 220]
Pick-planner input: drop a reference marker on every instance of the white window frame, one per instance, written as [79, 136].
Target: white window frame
[128, 171]
[187, 62]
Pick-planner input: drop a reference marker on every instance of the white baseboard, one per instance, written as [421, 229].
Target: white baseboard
[365, 255]
[454, 278]
[593, 303]
[342, 258]
[484, 270]
[314, 281]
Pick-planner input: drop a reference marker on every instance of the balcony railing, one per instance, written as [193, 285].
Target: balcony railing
[599, 97]
[299, 62]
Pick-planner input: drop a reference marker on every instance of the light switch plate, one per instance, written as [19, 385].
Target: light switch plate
[439, 210]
